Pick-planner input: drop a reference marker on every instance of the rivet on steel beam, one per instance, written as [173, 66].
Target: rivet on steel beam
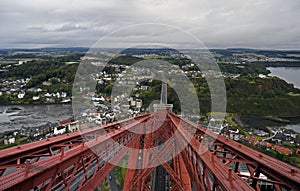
[82, 144]
[19, 147]
[240, 145]
[27, 167]
[230, 174]
[293, 172]
[62, 152]
[47, 139]
[67, 134]
[260, 155]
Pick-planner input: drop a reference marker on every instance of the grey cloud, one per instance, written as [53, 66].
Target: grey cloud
[37, 29]
[70, 27]
[218, 23]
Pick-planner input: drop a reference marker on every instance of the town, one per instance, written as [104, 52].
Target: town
[54, 88]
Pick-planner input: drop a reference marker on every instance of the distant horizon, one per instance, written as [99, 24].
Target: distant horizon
[209, 48]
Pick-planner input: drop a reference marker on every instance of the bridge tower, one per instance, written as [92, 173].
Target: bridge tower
[163, 103]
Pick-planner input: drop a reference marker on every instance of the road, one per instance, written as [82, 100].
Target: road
[112, 182]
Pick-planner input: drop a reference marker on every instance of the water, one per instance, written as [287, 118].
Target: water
[294, 127]
[33, 116]
[289, 74]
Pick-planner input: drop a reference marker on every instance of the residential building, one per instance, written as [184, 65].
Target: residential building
[59, 130]
[282, 150]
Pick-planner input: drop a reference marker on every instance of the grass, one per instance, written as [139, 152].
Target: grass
[18, 141]
[225, 62]
[298, 160]
[154, 57]
[217, 115]
[277, 119]
[21, 140]
[229, 119]
[6, 146]
[293, 94]
[216, 55]
[120, 172]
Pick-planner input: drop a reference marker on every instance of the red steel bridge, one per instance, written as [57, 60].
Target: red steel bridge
[82, 160]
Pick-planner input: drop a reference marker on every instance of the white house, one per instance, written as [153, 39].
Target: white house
[20, 62]
[48, 94]
[9, 140]
[59, 130]
[21, 95]
[96, 98]
[144, 87]
[35, 98]
[74, 126]
[235, 135]
[133, 103]
[63, 94]
[65, 100]
[139, 103]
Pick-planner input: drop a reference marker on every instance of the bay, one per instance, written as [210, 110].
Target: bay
[289, 74]
[32, 115]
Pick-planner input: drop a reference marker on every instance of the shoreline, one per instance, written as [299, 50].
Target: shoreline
[20, 104]
[34, 115]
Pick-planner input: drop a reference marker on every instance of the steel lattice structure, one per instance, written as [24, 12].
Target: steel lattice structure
[82, 160]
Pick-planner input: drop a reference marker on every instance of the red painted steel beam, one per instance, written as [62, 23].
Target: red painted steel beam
[193, 171]
[10, 155]
[217, 168]
[38, 172]
[273, 168]
[163, 134]
[29, 150]
[79, 157]
[131, 172]
[100, 175]
[186, 180]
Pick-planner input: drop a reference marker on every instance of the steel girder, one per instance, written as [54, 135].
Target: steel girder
[81, 167]
[280, 175]
[81, 160]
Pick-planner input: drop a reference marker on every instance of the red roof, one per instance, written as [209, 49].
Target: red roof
[282, 150]
[107, 98]
[267, 144]
[64, 122]
[91, 93]
[252, 139]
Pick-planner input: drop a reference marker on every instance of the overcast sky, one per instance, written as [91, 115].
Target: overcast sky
[271, 24]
